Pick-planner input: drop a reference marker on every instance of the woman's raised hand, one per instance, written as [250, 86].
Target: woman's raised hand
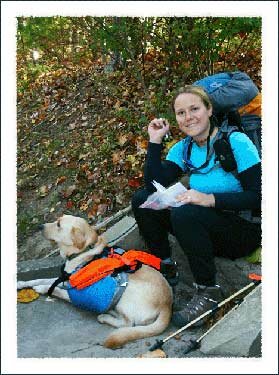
[157, 129]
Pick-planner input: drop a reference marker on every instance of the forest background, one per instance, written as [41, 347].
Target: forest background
[87, 88]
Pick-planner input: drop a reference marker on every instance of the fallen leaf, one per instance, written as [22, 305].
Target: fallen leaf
[95, 197]
[102, 209]
[177, 337]
[169, 144]
[119, 198]
[123, 139]
[134, 182]
[83, 207]
[118, 157]
[27, 295]
[60, 180]
[69, 204]
[85, 167]
[43, 191]
[19, 194]
[92, 212]
[158, 353]
[69, 191]
[111, 121]
[141, 145]
[133, 160]
[72, 126]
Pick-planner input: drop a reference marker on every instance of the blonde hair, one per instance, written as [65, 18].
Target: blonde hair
[195, 90]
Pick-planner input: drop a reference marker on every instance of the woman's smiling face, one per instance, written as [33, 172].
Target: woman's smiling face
[192, 115]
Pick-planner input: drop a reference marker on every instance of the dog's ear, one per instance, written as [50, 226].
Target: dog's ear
[78, 238]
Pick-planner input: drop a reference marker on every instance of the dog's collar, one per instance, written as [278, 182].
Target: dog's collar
[75, 255]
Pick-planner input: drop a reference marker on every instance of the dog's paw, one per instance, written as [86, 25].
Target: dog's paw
[113, 342]
[41, 289]
[102, 318]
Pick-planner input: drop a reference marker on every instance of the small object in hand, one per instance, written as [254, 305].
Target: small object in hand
[158, 353]
[27, 295]
[166, 137]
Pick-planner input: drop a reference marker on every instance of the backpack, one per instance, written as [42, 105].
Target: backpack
[236, 105]
[228, 91]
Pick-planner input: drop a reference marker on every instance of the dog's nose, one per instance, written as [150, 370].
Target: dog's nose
[41, 227]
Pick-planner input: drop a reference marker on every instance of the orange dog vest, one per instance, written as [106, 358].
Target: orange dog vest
[100, 268]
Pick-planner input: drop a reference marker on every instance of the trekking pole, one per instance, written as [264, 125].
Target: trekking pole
[256, 280]
[194, 344]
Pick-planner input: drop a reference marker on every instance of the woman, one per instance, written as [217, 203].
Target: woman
[207, 223]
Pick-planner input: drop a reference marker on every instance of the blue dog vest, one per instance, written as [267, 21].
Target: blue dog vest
[100, 296]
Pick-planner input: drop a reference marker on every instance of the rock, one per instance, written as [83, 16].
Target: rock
[35, 247]
[39, 268]
[238, 334]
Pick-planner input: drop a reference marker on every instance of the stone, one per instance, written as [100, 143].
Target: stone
[238, 333]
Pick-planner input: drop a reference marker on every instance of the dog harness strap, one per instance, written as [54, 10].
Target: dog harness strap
[52, 287]
[134, 256]
[63, 277]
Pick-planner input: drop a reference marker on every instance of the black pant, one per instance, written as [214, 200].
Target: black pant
[202, 233]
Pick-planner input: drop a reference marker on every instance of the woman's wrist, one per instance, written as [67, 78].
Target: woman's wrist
[210, 200]
[155, 140]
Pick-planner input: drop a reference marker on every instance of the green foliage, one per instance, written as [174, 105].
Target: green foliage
[187, 47]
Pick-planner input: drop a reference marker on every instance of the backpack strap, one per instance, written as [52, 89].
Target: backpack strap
[188, 144]
[223, 150]
[220, 145]
[134, 256]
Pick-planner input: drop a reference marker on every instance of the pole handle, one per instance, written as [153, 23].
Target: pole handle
[192, 345]
[255, 278]
[158, 345]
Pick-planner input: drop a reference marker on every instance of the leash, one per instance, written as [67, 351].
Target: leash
[256, 280]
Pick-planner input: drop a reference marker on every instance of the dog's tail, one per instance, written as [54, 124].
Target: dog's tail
[124, 335]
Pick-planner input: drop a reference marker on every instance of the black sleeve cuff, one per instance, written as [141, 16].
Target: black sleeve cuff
[250, 198]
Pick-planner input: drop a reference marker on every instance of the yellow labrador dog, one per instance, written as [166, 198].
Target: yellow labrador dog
[145, 307]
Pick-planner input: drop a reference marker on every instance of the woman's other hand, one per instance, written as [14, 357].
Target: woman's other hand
[196, 197]
[157, 129]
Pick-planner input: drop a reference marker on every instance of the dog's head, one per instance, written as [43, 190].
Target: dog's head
[72, 234]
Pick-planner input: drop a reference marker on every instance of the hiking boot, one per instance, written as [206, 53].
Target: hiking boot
[204, 299]
[169, 269]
